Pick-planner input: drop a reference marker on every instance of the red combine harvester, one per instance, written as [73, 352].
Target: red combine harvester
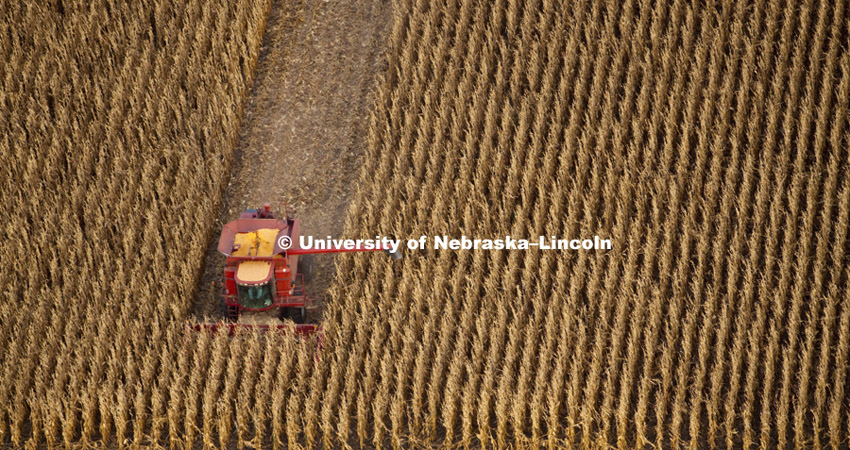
[261, 272]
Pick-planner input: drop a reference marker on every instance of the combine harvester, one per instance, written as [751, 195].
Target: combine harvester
[262, 271]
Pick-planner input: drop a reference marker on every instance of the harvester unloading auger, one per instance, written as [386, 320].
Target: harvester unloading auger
[261, 271]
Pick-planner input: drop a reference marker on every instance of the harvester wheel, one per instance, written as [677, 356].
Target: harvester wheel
[305, 267]
[295, 314]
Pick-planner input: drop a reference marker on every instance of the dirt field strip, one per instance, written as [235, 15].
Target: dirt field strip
[303, 137]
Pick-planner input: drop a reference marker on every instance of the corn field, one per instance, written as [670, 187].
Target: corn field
[707, 140]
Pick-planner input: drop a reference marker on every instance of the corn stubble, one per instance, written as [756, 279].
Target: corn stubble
[708, 141]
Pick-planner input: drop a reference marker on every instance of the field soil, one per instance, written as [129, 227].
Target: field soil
[303, 135]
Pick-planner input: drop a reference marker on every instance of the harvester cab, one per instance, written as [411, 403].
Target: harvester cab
[262, 269]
